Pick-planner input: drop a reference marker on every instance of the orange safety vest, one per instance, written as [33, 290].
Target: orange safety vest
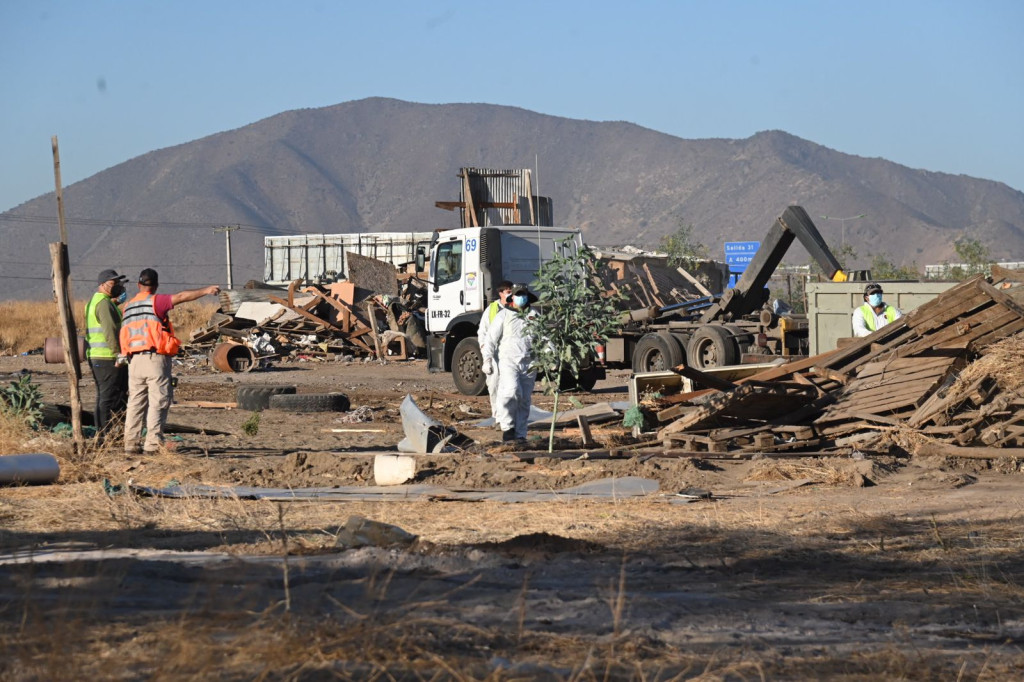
[142, 330]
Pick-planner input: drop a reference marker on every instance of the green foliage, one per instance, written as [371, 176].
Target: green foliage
[23, 399]
[883, 268]
[573, 314]
[974, 259]
[251, 426]
[682, 247]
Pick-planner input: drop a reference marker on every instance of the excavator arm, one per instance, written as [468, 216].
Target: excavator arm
[749, 293]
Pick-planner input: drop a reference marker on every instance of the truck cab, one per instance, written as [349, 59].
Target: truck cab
[466, 265]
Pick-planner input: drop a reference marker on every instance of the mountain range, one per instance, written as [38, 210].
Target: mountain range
[378, 164]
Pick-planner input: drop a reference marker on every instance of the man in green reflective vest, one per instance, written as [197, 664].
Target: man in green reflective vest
[875, 313]
[103, 350]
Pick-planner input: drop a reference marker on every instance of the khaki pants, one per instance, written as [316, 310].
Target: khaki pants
[149, 398]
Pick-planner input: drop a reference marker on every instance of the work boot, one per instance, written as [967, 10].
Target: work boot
[508, 436]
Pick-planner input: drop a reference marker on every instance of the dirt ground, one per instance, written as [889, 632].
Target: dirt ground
[873, 568]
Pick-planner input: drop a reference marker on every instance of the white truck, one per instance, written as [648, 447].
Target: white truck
[466, 266]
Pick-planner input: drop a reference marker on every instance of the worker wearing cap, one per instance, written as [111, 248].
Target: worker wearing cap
[875, 313]
[147, 338]
[103, 350]
[508, 350]
[486, 319]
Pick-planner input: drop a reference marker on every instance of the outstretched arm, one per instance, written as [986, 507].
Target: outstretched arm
[193, 294]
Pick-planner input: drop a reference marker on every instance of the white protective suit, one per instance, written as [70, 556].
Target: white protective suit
[510, 349]
[481, 335]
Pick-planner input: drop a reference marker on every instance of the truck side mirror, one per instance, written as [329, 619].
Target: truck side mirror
[421, 259]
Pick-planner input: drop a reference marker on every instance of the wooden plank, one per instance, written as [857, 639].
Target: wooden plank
[930, 449]
[981, 342]
[966, 329]
[695, 282]
[1002, 298]
[709, 380]
[897, 364]
[324, 324]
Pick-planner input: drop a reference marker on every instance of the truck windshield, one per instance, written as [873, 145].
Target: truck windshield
[449, 263]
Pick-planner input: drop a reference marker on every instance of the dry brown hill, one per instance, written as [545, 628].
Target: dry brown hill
[379, 164]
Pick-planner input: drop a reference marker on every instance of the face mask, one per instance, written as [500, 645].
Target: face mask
[519, 300]
[116, 291]
[122, 297]
[875, 300]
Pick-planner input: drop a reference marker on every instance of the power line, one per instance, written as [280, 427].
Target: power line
[111, 222]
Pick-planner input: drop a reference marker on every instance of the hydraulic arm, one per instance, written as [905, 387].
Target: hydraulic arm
[749, 293]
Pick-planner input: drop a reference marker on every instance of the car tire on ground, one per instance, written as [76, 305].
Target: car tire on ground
[467, 374]
[657, 352]
[256, 398]
[310, 402]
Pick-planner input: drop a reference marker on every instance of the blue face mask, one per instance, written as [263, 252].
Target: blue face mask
[875, 300]
[519, 300]
[123, 297]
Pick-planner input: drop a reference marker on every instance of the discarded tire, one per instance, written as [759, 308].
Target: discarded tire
[310, 402]
[256, 398]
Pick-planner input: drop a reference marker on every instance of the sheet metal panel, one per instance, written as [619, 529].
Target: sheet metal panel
[322, 257]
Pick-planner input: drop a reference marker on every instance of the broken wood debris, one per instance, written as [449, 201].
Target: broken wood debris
[342, 319]
[901, 385]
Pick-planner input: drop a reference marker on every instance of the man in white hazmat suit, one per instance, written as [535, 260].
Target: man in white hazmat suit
[508, 349]
[490, 313]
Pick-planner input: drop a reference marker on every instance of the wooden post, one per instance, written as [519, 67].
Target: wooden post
[69, 337]
[60, 193]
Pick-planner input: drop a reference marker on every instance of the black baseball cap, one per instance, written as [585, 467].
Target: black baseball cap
[873, 288]
[108, 275]
[149, 277]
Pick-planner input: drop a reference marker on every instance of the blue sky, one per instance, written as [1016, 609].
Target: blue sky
[935, 85]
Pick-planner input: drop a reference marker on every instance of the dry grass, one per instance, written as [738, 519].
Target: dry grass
[25, 325]
[1004, 361]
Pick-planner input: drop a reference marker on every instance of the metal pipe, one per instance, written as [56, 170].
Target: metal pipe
[39, 467]
[233, 357]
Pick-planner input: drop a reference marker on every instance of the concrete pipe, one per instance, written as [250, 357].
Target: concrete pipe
[233, 357]
[53, 349]
[40, 467]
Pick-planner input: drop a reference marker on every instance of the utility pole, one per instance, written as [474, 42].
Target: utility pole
[227, 230]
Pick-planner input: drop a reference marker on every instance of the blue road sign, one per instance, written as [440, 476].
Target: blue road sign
[738, 256]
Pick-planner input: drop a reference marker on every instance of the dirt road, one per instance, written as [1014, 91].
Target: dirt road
[887, 568]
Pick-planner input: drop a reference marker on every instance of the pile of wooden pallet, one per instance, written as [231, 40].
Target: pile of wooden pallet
[898, 385]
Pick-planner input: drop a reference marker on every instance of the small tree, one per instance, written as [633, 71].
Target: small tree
[883, 268]
[973, 254]
[574, 313]
[682, 248]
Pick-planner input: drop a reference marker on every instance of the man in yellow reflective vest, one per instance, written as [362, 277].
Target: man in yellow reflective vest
[875, 313]
[103, 350]
[148, 339]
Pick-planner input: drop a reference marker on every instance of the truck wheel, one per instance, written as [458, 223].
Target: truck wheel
[466, 372]
[712, 346]
[657, 352]
[585, 382]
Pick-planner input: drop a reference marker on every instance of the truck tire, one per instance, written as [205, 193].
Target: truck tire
[712, 346]
[657, 352]
[466, 368]
[256, 398]
[585, 382]
[310, 402]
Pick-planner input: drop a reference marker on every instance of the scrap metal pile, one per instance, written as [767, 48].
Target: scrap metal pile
[924, 383]
[373, 314]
